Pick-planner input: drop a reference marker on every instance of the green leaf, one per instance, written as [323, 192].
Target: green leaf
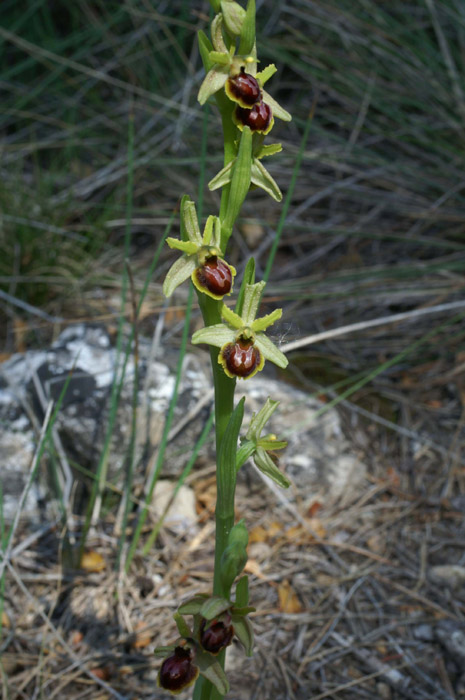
[248, 30]
[226, 469]
[216, 335]
[211, 669]
[266, 465]
[260, 419]
[233, 16]
[248, 278]
[192, 606]
[233, 561]
[214, 606]
[240, 180]
[242, 592]
[276, 108]
[270, 351]
[244, 453]
[183, 628]
[252, 296]
[261, 178]
[239, 534]
[244, 632]
[178, 273]
[205, 47]
[265, 74]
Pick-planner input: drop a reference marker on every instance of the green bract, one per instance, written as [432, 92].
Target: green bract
[197, 251]
[245, 327]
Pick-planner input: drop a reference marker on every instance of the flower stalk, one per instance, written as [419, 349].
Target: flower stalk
[237, 338]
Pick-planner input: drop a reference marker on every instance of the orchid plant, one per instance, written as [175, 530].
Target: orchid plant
[237, 338]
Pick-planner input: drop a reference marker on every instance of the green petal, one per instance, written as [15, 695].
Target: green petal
[244, 452]
[231, 317]
[252, 296]
[270, 150]
[270, 351]
[178, 273]
[264, 322]
[213, 81]
[187, 247]
[216, 335]
[192, 606]
[276, 108]
[214, 606]
[190, 221]
[266, 73]
[262, 178]
[222, 178]
[272, 444]
[183, 628]
[205, 46]
[260, 419]
[266, 465]
[208, 230]
[223, 59]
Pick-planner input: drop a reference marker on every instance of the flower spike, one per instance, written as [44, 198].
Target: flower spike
[201, 259]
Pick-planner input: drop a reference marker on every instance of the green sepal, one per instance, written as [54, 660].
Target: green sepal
[186, 246]
[261, 178]
[265, 74]
[247, 41]
[231, 317]
[205, 47]
[252, 296]
[178, 273]
[244, 632]
[242, 592]
[244, 453]
[211, 669]
[216, 335]
[233, 16]
[240, 182]
[192, 606]
[270, 150]
[183, 628]
[213, 81]
[260, 419]
[214, 606]
[270, 351]
[222, 59]
[276, 108]
[247, 278]
[189, 222]
[264, 322]
[161, 652]
[266, 465]
[217, 34]
[222, 178]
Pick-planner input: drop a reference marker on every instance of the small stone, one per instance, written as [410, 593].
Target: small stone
[181, 515]
[451, 575]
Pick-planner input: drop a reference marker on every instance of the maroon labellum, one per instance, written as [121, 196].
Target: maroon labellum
[259, 118]
[241, 358]
[216, 636]
[177, 671]
[243, 88]
[215, 275]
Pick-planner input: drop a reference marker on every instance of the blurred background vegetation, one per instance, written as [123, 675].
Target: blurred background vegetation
[377, 221]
